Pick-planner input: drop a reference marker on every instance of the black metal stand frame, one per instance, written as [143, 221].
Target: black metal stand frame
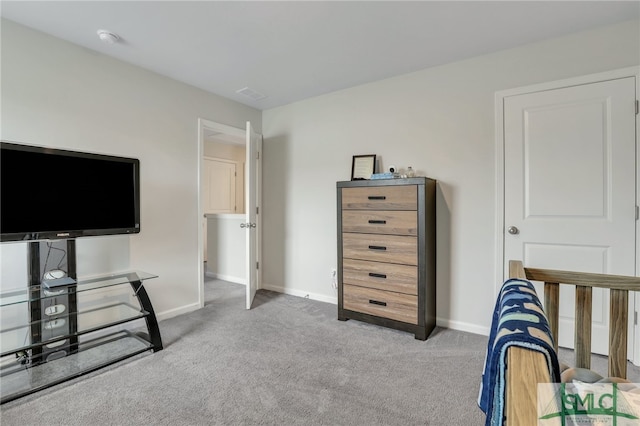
[152, 323]
[35, 306]
[36, 356]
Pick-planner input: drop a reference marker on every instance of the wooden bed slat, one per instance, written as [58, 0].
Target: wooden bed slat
[618, 320]
[582, 334]
[552, 309]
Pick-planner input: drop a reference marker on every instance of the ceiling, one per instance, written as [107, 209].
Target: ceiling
[293, 50]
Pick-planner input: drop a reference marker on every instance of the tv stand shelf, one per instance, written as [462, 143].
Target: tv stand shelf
[100, 331]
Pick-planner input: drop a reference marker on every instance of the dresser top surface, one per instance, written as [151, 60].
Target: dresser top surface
[383, 182]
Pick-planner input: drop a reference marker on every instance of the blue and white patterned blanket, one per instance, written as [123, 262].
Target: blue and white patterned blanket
[518, 320]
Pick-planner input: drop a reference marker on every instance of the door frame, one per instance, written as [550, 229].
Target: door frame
[203, 124]
[499, 266]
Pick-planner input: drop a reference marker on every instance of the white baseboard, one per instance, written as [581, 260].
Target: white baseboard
[177, 311]
[230, 278]
[301, 293]
[462, 326]
[440, 322]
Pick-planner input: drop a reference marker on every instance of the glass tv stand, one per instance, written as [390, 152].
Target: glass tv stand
[49, 335]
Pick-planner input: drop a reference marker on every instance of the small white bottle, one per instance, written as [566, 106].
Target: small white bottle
[410, 172]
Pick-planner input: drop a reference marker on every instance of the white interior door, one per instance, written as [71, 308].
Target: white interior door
[253, 180]
[219, 186]
[569, 181]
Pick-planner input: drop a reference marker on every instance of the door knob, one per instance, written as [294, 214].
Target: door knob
[513, 230]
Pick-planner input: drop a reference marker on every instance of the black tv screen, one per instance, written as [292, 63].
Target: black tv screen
[48, 193]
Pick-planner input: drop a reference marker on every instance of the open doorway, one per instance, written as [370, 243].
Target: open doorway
[230, 248]
[222, 188]
[222, 193]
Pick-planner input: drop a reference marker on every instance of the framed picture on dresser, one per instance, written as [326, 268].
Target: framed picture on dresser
[363, 166]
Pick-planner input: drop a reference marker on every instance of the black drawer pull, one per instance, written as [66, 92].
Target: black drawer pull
[377, 197]
[375, 302]
[371, 274]
[377, 247]
[378, 222]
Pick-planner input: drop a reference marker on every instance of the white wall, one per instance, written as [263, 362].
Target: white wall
[227, 247]
[58, 94]
[441, 122]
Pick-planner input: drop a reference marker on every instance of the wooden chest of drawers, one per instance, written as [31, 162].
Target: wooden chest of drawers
[386, 253]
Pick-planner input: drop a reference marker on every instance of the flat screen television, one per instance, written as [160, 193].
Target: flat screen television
[48, 193]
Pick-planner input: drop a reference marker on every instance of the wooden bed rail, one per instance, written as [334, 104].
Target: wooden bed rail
[527, 368]
[619, 287]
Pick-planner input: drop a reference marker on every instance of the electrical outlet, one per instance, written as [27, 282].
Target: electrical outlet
[334, 278]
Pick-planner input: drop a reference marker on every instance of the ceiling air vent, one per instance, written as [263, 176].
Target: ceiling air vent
[250, 93]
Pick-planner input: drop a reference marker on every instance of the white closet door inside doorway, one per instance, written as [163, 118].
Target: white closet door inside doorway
[219, 186]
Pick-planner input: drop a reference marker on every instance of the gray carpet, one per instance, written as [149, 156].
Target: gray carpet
[288, 361]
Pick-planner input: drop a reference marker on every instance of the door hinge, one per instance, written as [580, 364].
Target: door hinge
[637, 212]
[257, 265]
[637, 107]
[257, 210]
[635, 318]
[258, 155]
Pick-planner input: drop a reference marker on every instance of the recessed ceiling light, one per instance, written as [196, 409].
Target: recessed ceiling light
[108, 37]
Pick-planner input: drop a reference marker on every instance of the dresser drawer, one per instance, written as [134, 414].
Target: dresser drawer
[380, 248]
[381, 276]
[395, 306]
[380, 198]
[380, 222]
